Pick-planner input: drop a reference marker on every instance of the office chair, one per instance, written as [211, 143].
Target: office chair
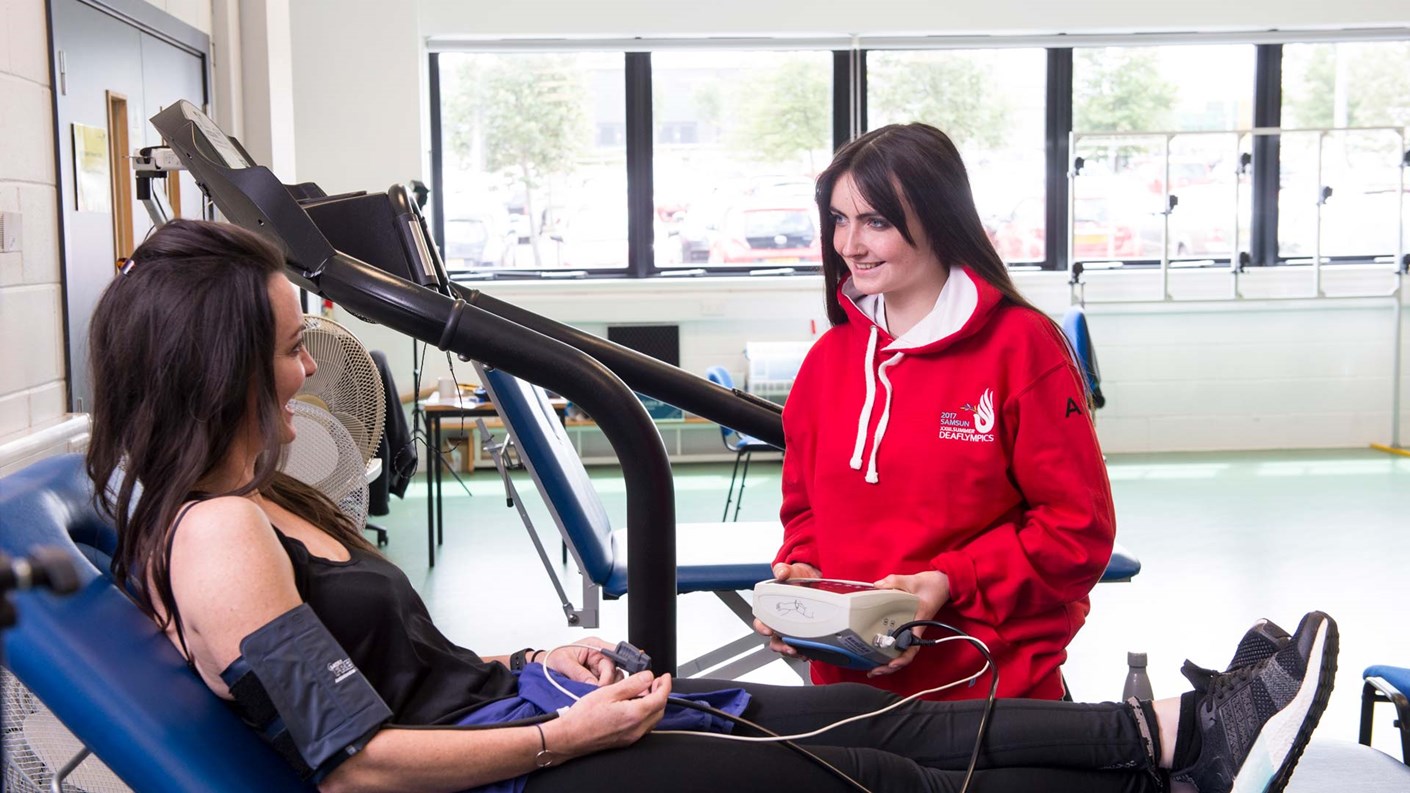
[1387, 684]
[1074, 327]
[742, 445]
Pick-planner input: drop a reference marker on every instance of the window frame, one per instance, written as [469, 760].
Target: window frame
[849, 114]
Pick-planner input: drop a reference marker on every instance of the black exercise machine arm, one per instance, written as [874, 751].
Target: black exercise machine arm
[252, 197]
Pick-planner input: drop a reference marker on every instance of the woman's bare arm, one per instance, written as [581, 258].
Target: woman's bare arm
[231, 577]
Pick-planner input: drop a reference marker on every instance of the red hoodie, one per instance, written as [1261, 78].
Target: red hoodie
[965, 447]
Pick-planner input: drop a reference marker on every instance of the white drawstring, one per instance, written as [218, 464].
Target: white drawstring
[872, 477]
[865, 416]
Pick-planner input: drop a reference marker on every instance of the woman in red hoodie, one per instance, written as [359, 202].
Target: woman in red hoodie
[938, 434]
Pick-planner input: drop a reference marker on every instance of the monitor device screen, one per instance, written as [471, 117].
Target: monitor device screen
[217, 139]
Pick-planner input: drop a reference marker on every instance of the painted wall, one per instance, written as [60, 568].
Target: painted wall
[32, 388]
[33, 393]
[547, 18]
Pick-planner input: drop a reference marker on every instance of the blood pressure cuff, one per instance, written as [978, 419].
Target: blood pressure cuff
[297, 686]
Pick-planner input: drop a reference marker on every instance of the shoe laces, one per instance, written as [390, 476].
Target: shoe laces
[1223, 685]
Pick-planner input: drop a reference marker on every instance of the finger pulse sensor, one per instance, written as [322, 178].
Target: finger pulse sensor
[845, 623]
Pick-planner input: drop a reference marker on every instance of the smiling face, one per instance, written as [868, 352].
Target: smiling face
[878, 256]
[292, 363]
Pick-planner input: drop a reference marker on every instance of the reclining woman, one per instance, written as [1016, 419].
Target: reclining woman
[282, 607]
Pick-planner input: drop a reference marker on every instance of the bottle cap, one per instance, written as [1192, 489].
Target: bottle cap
[1135, 659]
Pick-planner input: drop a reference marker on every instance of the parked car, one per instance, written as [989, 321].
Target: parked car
[477, 240]
[1096, 234]
[697, 230]
[593, 235]
[767, 234]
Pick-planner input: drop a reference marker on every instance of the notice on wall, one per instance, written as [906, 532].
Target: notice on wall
[93, 186]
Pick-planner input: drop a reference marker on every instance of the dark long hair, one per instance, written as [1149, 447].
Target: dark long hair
[177, 346]
[923, 162]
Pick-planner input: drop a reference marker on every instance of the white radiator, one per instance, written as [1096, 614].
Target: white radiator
[65, 434]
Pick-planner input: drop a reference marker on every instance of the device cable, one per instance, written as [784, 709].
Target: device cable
[905, 638]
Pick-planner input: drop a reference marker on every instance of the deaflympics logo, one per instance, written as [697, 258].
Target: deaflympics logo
[984, 413]
[954, 427]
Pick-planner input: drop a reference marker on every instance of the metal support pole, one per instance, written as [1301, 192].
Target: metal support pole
[1234, 270]
[1401, 265]
[1072, 174]
[1165, 211]
[1321, 201]
[1396, 344]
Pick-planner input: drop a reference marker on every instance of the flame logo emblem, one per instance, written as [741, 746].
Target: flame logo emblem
[984, 413]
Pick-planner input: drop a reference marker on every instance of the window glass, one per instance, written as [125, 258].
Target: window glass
[739, 139]
[1337, 86]
[534, 161]
[1139, 195]
[991, 104]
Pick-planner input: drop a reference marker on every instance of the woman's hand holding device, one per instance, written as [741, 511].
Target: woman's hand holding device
[611, 717]
[932, 587]
[582, 664]
[783, 572]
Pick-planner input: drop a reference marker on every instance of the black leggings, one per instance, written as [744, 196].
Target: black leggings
[1031, 745]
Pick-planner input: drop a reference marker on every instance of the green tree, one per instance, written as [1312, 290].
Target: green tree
[1375, 85]
[1309, 86]
[950, 91]
[1120, 90]
[526, 113]
[788, 115]
[1381, 76]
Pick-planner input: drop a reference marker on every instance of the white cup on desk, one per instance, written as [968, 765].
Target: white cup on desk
[447, 389]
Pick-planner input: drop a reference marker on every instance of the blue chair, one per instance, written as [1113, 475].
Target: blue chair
[1387, 684]
[102, 666]
[1123, 566]
[1074, 326]
[742, 445]
[719, 558]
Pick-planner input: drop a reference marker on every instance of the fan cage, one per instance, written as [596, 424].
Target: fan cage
[346, 383]
[37, 746]
[324, 456]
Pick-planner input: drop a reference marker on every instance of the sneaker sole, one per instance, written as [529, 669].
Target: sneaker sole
[1280, 743]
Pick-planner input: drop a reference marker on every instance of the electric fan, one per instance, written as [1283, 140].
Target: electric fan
[338, 418]
[346, 383]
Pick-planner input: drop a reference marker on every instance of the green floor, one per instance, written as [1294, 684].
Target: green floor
[1224, 538]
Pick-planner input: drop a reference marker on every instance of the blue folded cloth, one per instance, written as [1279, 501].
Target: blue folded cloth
[537, 697]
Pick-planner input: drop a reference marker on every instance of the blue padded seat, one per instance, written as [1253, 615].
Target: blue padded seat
[1397, 676]
[722, 558]
[101, 665]
[549, 452]
[1387, 684]
[741, 444]
[1074, 327]
[1123, 565]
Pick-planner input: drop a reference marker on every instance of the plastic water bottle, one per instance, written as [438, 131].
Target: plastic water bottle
[1138, 683]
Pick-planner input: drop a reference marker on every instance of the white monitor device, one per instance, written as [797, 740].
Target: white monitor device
[847, 623]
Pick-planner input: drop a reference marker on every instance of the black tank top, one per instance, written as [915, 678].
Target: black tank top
[370, 607]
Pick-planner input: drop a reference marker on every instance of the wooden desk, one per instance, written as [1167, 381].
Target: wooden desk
[437, 411]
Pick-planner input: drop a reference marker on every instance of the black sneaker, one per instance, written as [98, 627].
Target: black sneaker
[1260, 641]
[1255, 721]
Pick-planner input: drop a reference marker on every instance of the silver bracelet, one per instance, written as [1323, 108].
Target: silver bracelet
[544, 758]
